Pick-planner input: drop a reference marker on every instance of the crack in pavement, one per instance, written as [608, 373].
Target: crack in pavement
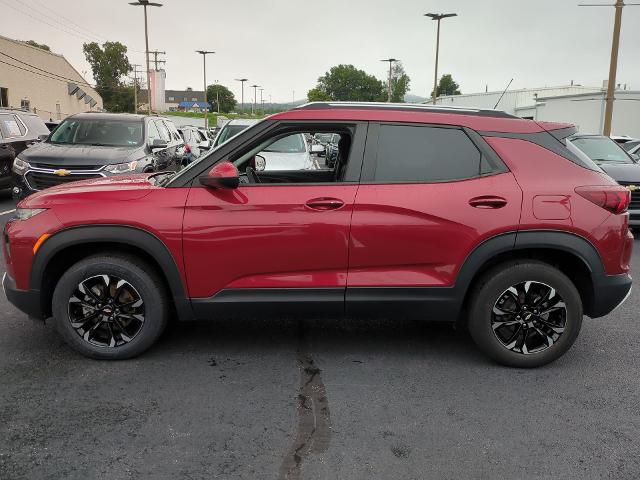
[314, 418]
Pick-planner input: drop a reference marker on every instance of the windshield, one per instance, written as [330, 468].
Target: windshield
[290, 144]
[230, 131]
[98, 132]
[601, 149]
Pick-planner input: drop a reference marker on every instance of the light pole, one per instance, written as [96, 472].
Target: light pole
[255, 98]
[438, 17]
[217, 96]
[613, 66]
[261, 99]
[389, 90]
[242, 80]
[145, 4]
[204, 54]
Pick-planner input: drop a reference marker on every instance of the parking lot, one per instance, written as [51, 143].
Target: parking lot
[322, 399]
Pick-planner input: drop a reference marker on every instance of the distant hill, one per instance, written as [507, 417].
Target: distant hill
[411, 98]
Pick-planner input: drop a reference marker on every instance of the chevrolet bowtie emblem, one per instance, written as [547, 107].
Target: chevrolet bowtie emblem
[62, 172]
[633, 188]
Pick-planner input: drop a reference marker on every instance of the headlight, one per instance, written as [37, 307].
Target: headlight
[122, 167]
[20, 166]
[261, 163]
[27, 213]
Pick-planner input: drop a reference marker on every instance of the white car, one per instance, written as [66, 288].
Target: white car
[293, 152]
[233, 128]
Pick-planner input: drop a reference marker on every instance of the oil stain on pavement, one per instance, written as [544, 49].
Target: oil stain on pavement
[313, 433]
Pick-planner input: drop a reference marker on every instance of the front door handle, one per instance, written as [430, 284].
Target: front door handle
[325, 203]
[488, 201]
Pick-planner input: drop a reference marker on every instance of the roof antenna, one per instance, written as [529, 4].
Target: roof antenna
[505, 91]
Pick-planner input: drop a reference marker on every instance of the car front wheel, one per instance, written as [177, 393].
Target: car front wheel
[525, 314]
[110, 307]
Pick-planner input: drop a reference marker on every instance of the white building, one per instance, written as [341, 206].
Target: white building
[582, 106]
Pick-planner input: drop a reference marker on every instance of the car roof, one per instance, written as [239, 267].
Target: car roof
[17, 111]
[482, 120]
[110, 116]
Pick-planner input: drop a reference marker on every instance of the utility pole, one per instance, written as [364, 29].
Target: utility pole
[389, 89]
[145, 4]
[261, 99]
[217, 97]
[438, 17]
[204, 54]
[242, 81]
[255, 99]
[613, 66]
[135, 87]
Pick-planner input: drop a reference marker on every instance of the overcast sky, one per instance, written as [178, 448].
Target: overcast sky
[284, 45]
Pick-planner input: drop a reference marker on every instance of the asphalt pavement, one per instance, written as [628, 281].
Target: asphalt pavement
[325, 399]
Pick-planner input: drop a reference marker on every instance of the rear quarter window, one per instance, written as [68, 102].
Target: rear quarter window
[11, 127]
[425, 154]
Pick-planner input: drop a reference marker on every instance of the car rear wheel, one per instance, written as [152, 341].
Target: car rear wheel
[110, 307]
[525, 314]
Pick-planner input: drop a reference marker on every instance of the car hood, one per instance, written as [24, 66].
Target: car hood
[621, 172]
[76, 155]
[120, 187]
[286, 161]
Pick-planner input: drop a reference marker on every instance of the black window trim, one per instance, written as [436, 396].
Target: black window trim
[256, 134]
[371, 155]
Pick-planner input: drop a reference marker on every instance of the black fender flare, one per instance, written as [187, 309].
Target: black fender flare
[559, 241]
[116, 234]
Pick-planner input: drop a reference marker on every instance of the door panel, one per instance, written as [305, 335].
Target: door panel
[266, 237]
[419, 234]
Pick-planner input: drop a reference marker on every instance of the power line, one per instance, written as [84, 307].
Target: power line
[60, 79]
[46, 71]
[80, 27]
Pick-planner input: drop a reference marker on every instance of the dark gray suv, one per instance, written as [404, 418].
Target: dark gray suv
[18, 130]
[93, 145]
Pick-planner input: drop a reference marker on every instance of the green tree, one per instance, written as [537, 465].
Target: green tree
[400, 82]
[226, 97]
[347, 83]
[318, 95]
[447, 86]
[110, 64]
[42, 46]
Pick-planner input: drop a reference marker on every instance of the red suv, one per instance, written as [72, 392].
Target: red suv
[468, 216]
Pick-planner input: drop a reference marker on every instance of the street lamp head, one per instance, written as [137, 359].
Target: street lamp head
[204, 52]
[440, 16]
[242, 80]
[390, 60]
[145, 3]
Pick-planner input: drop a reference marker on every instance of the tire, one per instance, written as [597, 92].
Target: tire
[507, 306]
[134, 305]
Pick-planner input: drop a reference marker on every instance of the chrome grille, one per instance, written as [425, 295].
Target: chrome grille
[42, 180]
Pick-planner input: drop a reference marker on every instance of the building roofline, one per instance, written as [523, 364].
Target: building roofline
[518, 90]
[590, 94]
[24, 43]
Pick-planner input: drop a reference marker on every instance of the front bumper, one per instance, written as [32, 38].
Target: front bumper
[28, 301]
[610, 292]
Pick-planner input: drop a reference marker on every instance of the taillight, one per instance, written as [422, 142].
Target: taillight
[187, 148]
[610, 197]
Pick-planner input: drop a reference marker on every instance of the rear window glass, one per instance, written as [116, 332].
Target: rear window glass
[425, 154]
[601, 149]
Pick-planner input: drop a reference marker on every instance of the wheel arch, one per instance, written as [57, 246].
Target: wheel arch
[73, 244]
[572, 254]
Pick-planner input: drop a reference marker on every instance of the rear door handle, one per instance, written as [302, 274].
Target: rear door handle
[325, 203]
[488, 201]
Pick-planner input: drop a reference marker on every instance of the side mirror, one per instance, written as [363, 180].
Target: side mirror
[206, 145]
[317, 149]
[43, 137]
[224, 175]
[159, 144]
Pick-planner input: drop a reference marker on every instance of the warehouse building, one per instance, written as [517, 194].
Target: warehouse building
[582, 106]
[43, 82]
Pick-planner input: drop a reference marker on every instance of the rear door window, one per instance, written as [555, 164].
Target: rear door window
[164, 131]
[424, 154]
[11, 127]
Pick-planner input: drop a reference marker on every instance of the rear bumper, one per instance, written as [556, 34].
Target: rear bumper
[27, 301]
[610, 291]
